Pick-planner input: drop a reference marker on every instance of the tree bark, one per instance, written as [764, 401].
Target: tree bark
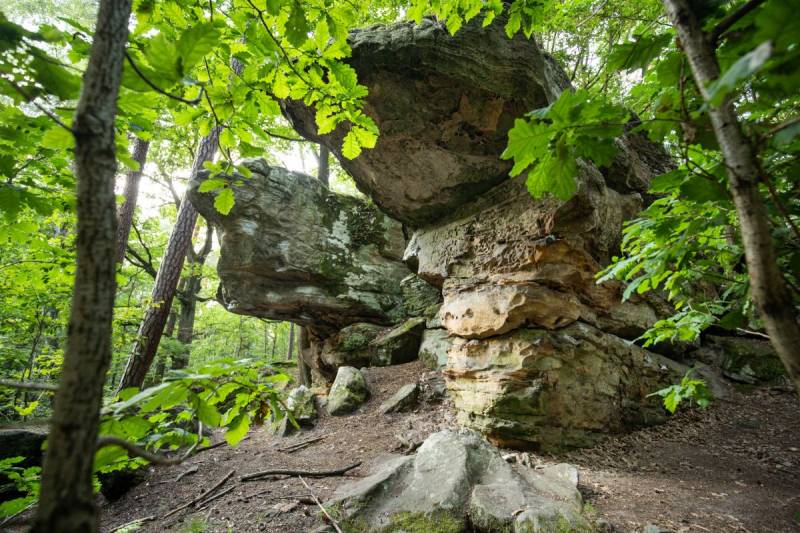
[188, 298]
[290, 344]
[304, 345]
[323, 167]
[767, 286]
[66, 500]
[155, 318]
[132, 179]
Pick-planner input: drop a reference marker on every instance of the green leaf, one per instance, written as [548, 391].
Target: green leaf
[237, 429]
[297, 27]
[746, 66]
[224, 201]
[351, 147]
[207, 413]
[58, 138]
[555, 176]
[195, 43]
[211, 185]
[638, 54]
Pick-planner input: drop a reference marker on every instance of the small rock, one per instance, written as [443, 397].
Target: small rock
[300, 403]
[653, 528]
[403, 400]
[348, 392]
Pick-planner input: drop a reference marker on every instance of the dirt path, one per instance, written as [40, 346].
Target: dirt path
[733, 467]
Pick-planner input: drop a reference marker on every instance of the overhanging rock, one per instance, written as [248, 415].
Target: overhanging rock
[293, 250]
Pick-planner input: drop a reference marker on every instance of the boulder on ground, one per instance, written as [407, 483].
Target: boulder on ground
[400, 344]
[348, 392]
[549, 390]
[300, 403]
[457, 478]
[351, 346]
[403, 400]
[23, 442]
[434, 347]
[742, 359]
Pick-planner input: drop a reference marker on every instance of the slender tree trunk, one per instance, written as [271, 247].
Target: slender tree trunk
[274, 340]
[304, 345]
[290, 344]
[155, 318]
[66, 500]
[767, 286]
[132, 179]
[323, 166]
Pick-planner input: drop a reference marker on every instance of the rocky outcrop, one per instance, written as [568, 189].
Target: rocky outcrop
[456, 478]
[436, 343]
[348, 392]
[540, 353]
[293, 250]
[550, 389]
[300, 403]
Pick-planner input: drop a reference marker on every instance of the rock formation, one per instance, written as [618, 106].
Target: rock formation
[538, 354]
[456, 478]
[293, 250]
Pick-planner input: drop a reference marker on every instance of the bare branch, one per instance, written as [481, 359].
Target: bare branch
[28, 385]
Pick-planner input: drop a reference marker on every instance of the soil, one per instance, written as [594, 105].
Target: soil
[734, 467]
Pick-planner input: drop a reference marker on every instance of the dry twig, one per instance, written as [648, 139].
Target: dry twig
[297, 473]
[325, 512]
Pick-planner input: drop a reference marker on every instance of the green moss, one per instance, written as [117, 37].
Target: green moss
[364, 225]
[354, 342]
[440, 522]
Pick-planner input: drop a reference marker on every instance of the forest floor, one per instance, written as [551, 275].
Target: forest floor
[734, 467]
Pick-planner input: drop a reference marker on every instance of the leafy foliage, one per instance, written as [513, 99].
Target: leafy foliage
[694, 390]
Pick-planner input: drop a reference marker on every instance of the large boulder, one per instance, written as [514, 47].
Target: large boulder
[348, 392]
[433, 350]
[400, 344]
[457, 478]
[444, 105]
[23, 442]
[293, 250]
[536, 388]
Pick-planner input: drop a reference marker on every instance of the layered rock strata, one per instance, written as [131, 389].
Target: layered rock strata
[539, 355]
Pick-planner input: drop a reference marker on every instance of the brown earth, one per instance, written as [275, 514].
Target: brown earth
[734, 467]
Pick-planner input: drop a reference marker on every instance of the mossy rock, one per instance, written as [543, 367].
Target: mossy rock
[399, 345]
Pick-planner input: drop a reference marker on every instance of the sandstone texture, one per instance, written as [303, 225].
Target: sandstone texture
[457, 478]
[504, 297]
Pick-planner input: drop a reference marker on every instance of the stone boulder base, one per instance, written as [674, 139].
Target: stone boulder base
[457, 478]
[348, 392]
[541, 389]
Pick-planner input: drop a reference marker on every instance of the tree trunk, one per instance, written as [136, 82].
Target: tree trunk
[152, 326]
[66, 500]
[290, 344]
[323, 167]
[304, 345]
[767, 286]
[188, 298]
[132, 179]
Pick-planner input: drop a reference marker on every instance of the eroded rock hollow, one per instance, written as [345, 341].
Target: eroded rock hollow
[537, 352]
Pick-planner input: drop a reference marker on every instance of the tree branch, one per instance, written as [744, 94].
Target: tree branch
[158, 89]
[307, 473]
[732, 19]
[154, 458]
